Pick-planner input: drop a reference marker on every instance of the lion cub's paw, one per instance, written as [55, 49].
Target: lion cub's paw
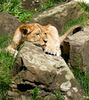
[12, 51]
[55, 51]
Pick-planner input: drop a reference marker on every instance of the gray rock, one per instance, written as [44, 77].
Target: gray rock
[34, 68]
[59, 15]
[8, 23]
[79, 49]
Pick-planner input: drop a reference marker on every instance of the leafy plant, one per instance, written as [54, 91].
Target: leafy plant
[35, 93]
[58, 96]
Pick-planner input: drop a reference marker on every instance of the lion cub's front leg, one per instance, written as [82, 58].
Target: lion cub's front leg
[53, 42]
[53, 48]
[15, 42]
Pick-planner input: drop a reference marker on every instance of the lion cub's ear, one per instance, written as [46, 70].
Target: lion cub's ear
[25, 29]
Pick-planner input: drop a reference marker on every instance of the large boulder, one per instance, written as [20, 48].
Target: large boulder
[34, 68]
[8, 23]
[59, 15]
[79, 49]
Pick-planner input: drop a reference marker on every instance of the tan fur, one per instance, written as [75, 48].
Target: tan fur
[45, 36]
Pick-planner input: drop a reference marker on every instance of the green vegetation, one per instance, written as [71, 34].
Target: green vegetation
[4, 41]
[6, 61]
[82, 20]
[58, 96]
[49, 4]
[35, 93]
[80, 75]
[84, 6]
[15, 8]
[83, 78]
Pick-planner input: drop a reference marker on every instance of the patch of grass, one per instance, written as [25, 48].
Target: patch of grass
[58, 96]
[82, 20]
[80, 75]
[46, 5]
[83, 79]
[84, 6]
[4, 41]
[35, 93]
[49, 4]
[15, 8]
[6, 62]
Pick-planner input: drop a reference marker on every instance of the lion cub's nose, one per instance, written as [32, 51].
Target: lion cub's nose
[45, 40]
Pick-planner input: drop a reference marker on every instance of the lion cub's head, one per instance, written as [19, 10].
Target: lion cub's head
[34, 33]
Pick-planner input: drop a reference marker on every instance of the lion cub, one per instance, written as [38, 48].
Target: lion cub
[45, 36]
